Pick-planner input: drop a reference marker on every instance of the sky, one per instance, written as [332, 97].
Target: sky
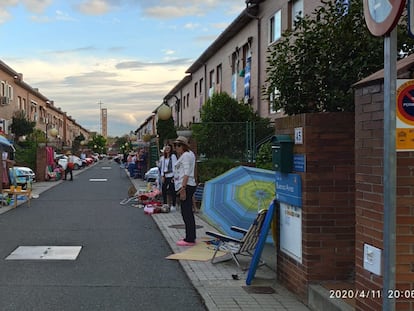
[123, 55]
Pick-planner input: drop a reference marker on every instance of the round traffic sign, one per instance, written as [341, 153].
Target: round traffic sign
[381, 16]
[405, 102]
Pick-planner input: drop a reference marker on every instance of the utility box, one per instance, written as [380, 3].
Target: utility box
[282, 153]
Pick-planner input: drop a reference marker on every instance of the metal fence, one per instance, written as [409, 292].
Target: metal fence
[232, 140]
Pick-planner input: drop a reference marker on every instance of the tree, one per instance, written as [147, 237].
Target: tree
[76, 144]
[226, 126]
[166, 130]
[97, 144]
[313, 67]
[21, 126]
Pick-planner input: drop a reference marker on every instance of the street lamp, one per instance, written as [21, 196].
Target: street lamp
[52, 132]
[164, 111]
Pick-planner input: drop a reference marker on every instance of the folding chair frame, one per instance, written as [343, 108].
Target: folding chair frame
[246, 245]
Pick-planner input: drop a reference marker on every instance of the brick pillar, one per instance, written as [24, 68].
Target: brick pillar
[41, 163]
[328, 190]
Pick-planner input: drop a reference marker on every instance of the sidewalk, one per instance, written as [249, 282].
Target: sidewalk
[37, 189]
[215, 283]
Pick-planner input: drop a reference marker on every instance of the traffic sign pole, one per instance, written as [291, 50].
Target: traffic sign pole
[389, 178]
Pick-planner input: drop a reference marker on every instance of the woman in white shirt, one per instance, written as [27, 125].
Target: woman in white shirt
[185, 186]
[168, 161]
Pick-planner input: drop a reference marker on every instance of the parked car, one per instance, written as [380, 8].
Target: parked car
[21, 175]
[152, 174]
[95, 157]
[87, 161]
[63, 160]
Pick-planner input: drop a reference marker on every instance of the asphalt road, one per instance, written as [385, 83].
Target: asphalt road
[121, 265]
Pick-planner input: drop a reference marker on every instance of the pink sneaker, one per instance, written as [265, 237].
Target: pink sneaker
[185, 243]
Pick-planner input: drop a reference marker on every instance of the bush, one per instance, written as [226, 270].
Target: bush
[264, 157]
[210, 169]
[26, 154]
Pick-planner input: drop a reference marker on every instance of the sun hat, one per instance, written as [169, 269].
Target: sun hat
[182, 140]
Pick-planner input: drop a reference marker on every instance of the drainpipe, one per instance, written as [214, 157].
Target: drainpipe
[259, 67]
[205, 84]
[259, 59]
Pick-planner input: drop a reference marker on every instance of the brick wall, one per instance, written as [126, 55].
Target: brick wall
[328, 214]
[369, 114]
[41, 162]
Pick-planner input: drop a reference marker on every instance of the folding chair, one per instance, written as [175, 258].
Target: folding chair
[198, 197]
[244, 246]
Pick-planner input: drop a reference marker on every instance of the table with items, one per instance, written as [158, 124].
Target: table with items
[15, 192]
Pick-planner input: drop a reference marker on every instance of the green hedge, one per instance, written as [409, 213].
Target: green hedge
[209, 169]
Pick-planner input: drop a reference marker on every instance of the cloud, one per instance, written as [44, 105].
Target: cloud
[169, 52]
[170, 12]
[62, 16]
[141, 65]
[76, 85]
[220, 26]
[94, 7]
[170, 9]
[191, 26]
[36, 6]
[4, 16]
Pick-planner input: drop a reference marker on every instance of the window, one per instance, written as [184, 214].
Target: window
[297, 11]
[272, 98]
[201, 86]
[234, 62]
[10, 92]
[211, 79]
[19, 103]
[195, 89]
[275, 27]
[211, 83]
[218, 74]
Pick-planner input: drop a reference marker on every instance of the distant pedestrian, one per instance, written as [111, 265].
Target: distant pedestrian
[141, 164]
[167, 162]
[70, 166]
[185, 186]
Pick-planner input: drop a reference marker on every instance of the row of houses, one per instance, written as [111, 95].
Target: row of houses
[234, 63]
[18, 96]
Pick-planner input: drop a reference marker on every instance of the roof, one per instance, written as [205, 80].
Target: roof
[177, 88]
[404, 66]
[232, 30]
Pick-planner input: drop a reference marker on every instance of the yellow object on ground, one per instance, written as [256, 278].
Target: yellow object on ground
[199, 252]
